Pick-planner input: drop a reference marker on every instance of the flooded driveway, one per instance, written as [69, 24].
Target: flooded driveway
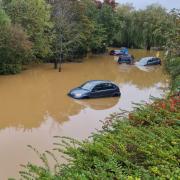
[34, 105]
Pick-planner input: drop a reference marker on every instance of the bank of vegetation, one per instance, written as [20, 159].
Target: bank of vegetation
[59, 30]
[143, 144]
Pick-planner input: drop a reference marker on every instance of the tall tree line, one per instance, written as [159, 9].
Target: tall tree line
[58, 30]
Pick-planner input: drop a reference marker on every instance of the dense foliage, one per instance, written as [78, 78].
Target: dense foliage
[143, 146]
[172, 46]
[15, 50]
[4, 19]
[71, 30]
[66, 30]
[34, 17]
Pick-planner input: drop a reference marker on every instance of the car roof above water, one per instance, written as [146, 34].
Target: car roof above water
[147, 58]
[89, 85]
[96, 82]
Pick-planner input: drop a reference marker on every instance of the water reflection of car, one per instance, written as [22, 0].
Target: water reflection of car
[95, 89]
[126, 58]
[99, 104]
[148, 61]
[146, 68]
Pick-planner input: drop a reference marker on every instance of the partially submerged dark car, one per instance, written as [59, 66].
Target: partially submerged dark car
[128, 59]
[118, 52]
[148, 61]
[95, 89]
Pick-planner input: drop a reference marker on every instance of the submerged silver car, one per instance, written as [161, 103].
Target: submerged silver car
[148, 61]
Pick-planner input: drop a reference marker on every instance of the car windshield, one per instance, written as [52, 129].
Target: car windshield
[87, 86]
[143, 61]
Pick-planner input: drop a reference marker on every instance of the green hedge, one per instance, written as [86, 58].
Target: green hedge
[176, 83]
[146, 145]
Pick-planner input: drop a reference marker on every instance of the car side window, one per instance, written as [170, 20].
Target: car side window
[149, 61]
[155, 59]
[108, 86]
[97, 88]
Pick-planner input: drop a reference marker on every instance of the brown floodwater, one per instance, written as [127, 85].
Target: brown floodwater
[34, 105]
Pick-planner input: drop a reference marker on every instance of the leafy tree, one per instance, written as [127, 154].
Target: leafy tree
[67, 30]
[154, 25]
[173, 34]
[172, 60]
[97, 40]
[15, 49]
[34, 17]
[111, 3]
[72, 30]
[107, 18]
[124, 36]
[141, 28]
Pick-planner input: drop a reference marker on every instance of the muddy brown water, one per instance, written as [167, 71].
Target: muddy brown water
[34, 105]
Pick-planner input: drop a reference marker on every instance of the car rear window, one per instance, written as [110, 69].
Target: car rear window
[108, 86]
[98, 87]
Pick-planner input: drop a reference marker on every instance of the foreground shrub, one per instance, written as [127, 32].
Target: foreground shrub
[4, 19]
[143, 146]
[15, 49]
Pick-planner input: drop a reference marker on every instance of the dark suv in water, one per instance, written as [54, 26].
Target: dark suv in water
[95, 89]
[118, 52]
[128, 59]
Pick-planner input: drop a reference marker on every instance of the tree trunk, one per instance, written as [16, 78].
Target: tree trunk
[148, 43]
[55, 64]
[60, 66]
[60, 62]
[148, 47]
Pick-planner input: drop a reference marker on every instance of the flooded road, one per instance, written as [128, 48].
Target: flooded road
[34, 105]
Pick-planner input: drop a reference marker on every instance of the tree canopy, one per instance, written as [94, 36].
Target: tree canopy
[67, 30]
[34, 17]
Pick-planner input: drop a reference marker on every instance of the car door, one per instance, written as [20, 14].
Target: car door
[102, 90]
[111, 89]
[97, 91]
[108, 90]
[150, 62]
[156, 61]
[153, 61]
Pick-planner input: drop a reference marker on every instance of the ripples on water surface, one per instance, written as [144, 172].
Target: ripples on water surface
[34, 106]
